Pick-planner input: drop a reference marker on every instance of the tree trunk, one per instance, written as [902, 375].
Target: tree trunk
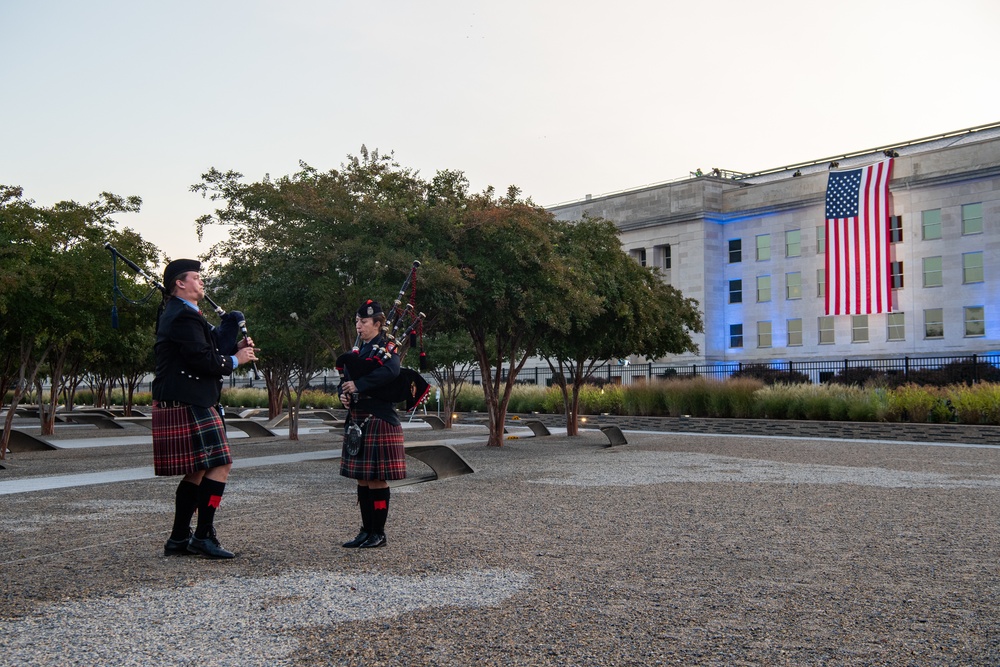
[49, 415]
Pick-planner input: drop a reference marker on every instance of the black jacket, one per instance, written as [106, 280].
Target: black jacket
[189, 364]
[382, 368]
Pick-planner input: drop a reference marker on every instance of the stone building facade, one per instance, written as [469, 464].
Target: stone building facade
[750, 248]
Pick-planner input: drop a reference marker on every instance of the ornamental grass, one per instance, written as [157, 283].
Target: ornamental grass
[738, 398]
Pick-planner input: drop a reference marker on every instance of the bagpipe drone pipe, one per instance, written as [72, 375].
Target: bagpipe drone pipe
[232, 325]
[409, 386]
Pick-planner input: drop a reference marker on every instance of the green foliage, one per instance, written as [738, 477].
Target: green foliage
[599, 400]
[526, 398]
[916, 403]
[769, 375]
[645, 399]
[955, 373]
[748, 398]
[470, 399]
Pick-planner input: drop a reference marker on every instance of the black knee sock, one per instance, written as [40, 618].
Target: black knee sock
[365, 505]
[209, 497]
[185, 504]
[380, 509]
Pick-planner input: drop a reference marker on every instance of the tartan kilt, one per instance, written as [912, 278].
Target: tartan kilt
[187, 439]
[382, 455]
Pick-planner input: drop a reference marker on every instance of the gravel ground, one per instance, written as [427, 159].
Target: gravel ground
[672, 550]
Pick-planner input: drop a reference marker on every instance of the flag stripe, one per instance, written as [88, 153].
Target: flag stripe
[857, 231]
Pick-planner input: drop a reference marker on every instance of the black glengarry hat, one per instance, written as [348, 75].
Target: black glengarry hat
[369, 309]
[177, 268]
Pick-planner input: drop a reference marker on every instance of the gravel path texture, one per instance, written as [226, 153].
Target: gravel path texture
[670, 550]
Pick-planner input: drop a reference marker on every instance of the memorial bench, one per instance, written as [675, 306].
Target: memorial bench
[537, 427]
[443, 461]
[614, 434]
[25, 442]
[95, 419]
[436, 423]
[252, 428]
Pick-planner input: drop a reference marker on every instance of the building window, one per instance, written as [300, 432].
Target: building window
[793, 243]
[639, 256]
[932, 272]
[896, 275]
[763, 289]
[895, 229]
[930, 223]
[735, 291]
[826, 330]
[793, 285]
[972, 219]
[735, 251]
[763, 247]
[859, 328]
[821, 239]
[794, 333]
[975, 321]
[763, 334]
[972, 267]
[896, 326]
[735, 335]
[821, 282]
[934, 323]
[663, 256]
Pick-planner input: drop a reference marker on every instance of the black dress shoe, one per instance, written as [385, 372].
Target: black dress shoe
[177, 547]
[374, 540]
[357, 541]
[209, 547]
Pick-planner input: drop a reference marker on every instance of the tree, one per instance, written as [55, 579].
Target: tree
[518, 290]
[316, 244]
[52, 297]
[453, 359]
[635, 312]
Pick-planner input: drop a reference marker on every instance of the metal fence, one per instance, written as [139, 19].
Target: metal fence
[979, 366]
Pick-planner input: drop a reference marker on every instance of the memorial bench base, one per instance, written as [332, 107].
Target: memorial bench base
[443, 461]
[614, 434]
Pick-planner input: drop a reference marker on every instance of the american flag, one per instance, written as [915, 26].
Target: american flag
[857, 241]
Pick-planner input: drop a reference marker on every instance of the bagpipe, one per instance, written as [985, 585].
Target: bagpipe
[232, 327]
[409, 386]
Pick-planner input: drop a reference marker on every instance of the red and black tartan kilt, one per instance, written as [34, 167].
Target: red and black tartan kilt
[188, 438]
[382, 455]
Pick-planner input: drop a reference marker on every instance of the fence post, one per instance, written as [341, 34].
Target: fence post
[845, 365]
[975, 369]
[906, 368]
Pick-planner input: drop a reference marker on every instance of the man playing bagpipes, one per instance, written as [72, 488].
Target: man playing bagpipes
[189, 436]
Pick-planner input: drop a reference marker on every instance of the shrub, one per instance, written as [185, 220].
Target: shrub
[769, 375]
[740, 394]
[957, 372]
[864, 376]
[917, 403]
[645, 399]
[597, 400]
[773, 401]
[526, 398]
[470, 399]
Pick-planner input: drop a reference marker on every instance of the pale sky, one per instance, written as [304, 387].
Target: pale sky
[562, 98]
